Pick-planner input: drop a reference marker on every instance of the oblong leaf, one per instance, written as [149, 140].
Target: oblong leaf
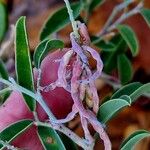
[124, 68]
[3, 71]
[59, 20]
[133, 139]
[104, 46]
[140, 91]
[23, 63]
[133, 90]
[43, 48]
[3, 20]
[146, 14]
[50, 139]
[13, 130]
[126, 90]
[109, 108]
[130, 37]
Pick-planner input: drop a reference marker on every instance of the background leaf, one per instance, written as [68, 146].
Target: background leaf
[13, 130]
[124, 68]
[50, 139]
[23, 62]
[94, 4]
[105, 46]
[129, 36]
[109, 108]
[43, 48]
[3, 20]
[146, 14]
[3, 71]
[59, 20]
[4, 75]
[132, 140]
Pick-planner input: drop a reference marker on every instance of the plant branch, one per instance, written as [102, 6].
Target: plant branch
[125, 16]
[60, 127]
[116, 10]
[8, 146]
[110, 26]
[36, 96]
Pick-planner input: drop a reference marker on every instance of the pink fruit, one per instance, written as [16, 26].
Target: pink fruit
[59, 101]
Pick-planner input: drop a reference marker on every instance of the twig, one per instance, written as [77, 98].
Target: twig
[73, 22]
[8, 146]
[110, 26]
[113, 15]
[125, 16]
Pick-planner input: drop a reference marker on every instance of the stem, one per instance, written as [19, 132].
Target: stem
[36, 96]
[110, 26]
[73, 22]
[7, 145]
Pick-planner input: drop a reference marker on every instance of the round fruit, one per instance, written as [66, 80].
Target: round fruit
[58, 100]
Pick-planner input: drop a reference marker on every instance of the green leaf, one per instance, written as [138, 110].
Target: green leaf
[13, 130]
[124, 68]
[133, 139]
[3, 71]
[110, 58]
[133, 90]
[59, 20]
[145, 88]
[3, 20]
[23, 63]
[68, 143]
[43, 48]
[50, 139]
[94, 4]
[146, 14]
[126, 90]
[109, 108]
[122, 98]
[130, 37]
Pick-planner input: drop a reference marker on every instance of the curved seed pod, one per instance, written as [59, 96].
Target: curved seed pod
[77, 49]
[96, 56]
[61, 81]
[84, 33]
[93, 90]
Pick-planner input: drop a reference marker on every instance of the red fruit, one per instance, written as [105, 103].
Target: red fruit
[59, 101]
